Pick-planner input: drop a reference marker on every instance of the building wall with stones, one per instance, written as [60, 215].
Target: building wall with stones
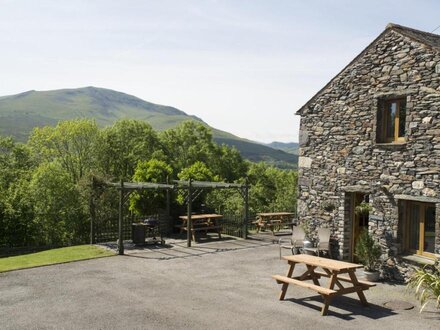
[339, 152]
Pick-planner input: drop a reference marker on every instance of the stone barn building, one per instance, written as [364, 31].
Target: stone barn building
[372, 135]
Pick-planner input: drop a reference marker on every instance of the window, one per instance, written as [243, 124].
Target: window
[391, 116]
[419, 228]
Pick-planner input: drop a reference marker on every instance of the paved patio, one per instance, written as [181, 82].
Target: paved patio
[216, 285]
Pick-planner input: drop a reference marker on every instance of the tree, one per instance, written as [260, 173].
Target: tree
[271, 189]
[125, 144]
[228, 163]
[16, 211]
[58, 209]
[72, 143]
[15, 161]
[147, 202]
[17, 217]
[188, 143]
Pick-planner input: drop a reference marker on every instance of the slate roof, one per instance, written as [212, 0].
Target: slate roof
[430, 40]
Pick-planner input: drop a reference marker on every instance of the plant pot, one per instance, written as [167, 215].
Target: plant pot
[371, 276]
[308, 243]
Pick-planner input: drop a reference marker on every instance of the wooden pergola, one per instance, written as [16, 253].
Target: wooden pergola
[125, 190]
[193, 190]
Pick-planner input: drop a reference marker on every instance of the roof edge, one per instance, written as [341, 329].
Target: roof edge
[390, 26]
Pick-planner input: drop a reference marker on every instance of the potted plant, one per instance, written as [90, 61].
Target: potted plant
[308, 243]
[363, 208]
[368, 252]
[328, 206]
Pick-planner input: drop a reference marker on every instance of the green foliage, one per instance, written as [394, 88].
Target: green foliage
[188, 143]
[15, 161]
[72, 143]
[197, 172]
[125, 144]
[17, 225]
[426, 282]
[45, 185]
[228, 163]
[368, 251]
[57, 205]
[17, 217]
[147, 202]
[363, 208]
[271, 188]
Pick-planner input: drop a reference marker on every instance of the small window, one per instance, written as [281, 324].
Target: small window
[391, 116]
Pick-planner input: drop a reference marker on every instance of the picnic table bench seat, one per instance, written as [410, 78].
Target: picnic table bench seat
[344, 278]
[321, 290]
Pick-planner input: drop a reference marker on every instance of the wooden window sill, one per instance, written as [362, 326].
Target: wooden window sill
[390, 144]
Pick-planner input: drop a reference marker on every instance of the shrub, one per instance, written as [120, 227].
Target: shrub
[426, 282]
[368, 251]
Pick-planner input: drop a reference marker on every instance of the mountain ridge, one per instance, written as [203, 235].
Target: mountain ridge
[20, 113]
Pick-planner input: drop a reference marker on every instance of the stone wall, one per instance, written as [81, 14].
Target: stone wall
[338, 149]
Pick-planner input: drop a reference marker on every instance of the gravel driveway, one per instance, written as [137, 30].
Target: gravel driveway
[216, 285]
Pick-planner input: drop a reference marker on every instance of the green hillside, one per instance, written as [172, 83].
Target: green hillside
[289, 147]
[22, 112]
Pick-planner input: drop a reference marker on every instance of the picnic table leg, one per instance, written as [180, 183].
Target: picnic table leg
[313, 276]
[356, 284]
[324, 309]
[286, 285]
[333, 281]
[219, 230]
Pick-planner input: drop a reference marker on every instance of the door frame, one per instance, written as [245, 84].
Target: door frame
[355, 199]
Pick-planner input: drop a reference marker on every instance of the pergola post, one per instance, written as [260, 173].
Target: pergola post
[246, 209]
[121, 215]
[92, 212]
[168, 210]
[189, 220]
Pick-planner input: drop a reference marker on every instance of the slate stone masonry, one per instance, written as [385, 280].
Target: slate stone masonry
[338, 149]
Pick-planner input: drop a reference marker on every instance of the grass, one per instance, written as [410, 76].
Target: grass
[55, 256]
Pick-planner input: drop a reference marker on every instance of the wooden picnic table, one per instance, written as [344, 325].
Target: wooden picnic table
[273, 220]
[333, 269]
[202, 222]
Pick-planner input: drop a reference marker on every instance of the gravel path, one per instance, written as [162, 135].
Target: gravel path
[218, 285]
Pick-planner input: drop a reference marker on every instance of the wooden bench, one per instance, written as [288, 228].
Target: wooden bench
[201, 222]
[321, 290]
[273, 221]
[346, 279]
[206, 228]
[181, 227]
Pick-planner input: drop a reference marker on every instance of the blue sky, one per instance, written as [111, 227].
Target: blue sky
[242, 66]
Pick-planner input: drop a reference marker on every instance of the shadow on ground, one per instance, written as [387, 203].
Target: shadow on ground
[345, 307]
[177, 248]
